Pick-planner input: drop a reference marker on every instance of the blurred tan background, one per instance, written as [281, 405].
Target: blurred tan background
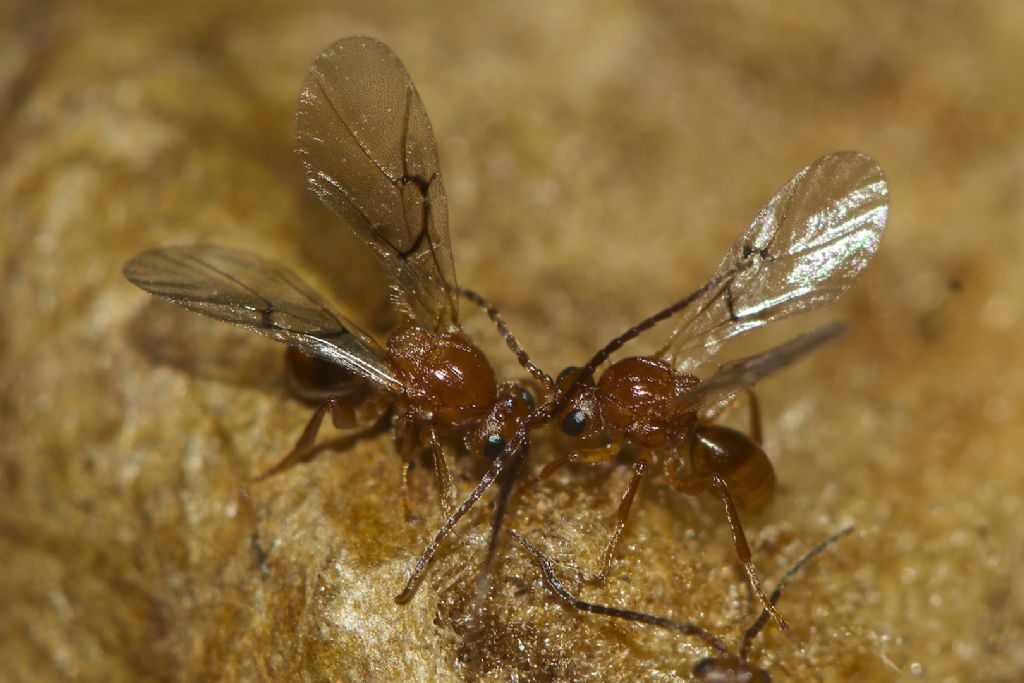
[599, 158]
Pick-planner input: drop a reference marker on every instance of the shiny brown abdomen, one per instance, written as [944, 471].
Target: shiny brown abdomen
[742, 463]
[315, 380]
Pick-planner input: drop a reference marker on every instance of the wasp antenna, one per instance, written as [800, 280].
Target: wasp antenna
[556, 586]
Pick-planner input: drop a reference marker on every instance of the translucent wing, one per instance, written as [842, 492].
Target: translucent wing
[369, 153]
[744, 373]
[805, 248]
[243, 289]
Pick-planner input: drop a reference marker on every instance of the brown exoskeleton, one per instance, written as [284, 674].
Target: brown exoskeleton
[808, 244]
[644, 403]
[656, 406]
[724, 666]
[380, 173]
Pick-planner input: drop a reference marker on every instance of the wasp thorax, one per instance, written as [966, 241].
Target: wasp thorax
[444, 373]
[728, 670]
[639, 397]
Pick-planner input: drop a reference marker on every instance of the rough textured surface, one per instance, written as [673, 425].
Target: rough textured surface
[599, 158]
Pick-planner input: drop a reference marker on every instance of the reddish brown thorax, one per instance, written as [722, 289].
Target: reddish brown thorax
[638, 397]
[444, 374]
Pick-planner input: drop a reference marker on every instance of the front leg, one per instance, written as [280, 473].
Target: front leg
[445, 489]
[588, 456]
[622, 515]
[593, 456]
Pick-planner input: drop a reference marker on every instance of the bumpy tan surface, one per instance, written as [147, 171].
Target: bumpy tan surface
[599, 159]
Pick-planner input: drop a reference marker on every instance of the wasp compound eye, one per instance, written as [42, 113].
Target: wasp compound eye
[494, 445]
[527, 398]
[566, 375]
[574, 423]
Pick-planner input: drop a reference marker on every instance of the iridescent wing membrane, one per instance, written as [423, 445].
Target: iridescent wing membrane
[743, 373]
[365, 140]
[805, 248]
[243, 289]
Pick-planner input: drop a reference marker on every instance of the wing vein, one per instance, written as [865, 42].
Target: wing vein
[267, 304]
[359, 143]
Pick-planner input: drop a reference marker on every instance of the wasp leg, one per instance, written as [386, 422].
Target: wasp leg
[693, 484]
[405, 434]
[639, 469]
[594, 456]
[445, 488]
[342, 415]
[756, 431]
[587, 456]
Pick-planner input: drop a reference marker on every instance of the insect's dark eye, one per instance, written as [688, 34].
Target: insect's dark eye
[494, 445]
[564, 374]
[574, 423]
[527, 398]
[704, 667]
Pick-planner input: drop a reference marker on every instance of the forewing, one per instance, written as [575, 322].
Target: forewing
[743, 373]
[365, 140]
[804, 249]
[243, 289]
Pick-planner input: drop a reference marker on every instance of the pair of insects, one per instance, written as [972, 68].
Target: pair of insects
[369, 153]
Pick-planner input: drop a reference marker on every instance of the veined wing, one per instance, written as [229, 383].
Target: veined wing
[743, 373]
[243, 289]
[805, 248]
[365, 140]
